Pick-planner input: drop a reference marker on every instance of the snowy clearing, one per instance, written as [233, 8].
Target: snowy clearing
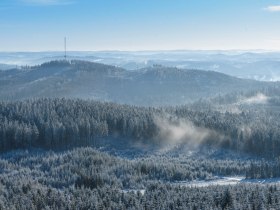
[228, 181]
[142, 191]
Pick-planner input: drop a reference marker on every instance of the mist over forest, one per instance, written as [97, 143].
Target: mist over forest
[100, 135]
[139, 105]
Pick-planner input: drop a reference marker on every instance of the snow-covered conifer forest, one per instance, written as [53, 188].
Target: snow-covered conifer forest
[85, 135]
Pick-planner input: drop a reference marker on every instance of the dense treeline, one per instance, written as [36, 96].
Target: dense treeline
[90, 168]
[157, 196]
[63, 123]
[264, 169]
[248, 131]
[58, 123]
[85, 178]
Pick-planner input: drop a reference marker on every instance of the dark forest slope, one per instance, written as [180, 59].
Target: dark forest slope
[156, 85]
[63, 123]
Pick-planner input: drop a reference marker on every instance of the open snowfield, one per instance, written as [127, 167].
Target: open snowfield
[228, 181]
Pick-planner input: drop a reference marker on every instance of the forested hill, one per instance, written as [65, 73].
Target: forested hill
[151, 86]
[63, 123]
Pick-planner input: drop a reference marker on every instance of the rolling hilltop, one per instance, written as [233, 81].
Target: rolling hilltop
[157, 85]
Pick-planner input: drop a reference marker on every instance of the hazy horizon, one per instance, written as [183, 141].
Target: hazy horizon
[149, 51]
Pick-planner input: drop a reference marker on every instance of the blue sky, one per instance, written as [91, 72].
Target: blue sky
[40, 25]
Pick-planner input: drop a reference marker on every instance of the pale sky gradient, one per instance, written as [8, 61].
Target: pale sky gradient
[40, 25]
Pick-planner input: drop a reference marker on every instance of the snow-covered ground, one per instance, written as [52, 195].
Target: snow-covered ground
[142, 191]
[214, 182]
[228, 181]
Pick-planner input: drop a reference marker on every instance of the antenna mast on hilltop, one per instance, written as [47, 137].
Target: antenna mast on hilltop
[65, 48]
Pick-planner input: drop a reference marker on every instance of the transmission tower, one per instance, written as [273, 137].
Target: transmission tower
[65, 48]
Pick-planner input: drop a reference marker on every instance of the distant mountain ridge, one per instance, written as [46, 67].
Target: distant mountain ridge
[258, 64]
[157, 85]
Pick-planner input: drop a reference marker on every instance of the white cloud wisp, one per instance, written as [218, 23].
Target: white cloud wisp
[274, 8]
